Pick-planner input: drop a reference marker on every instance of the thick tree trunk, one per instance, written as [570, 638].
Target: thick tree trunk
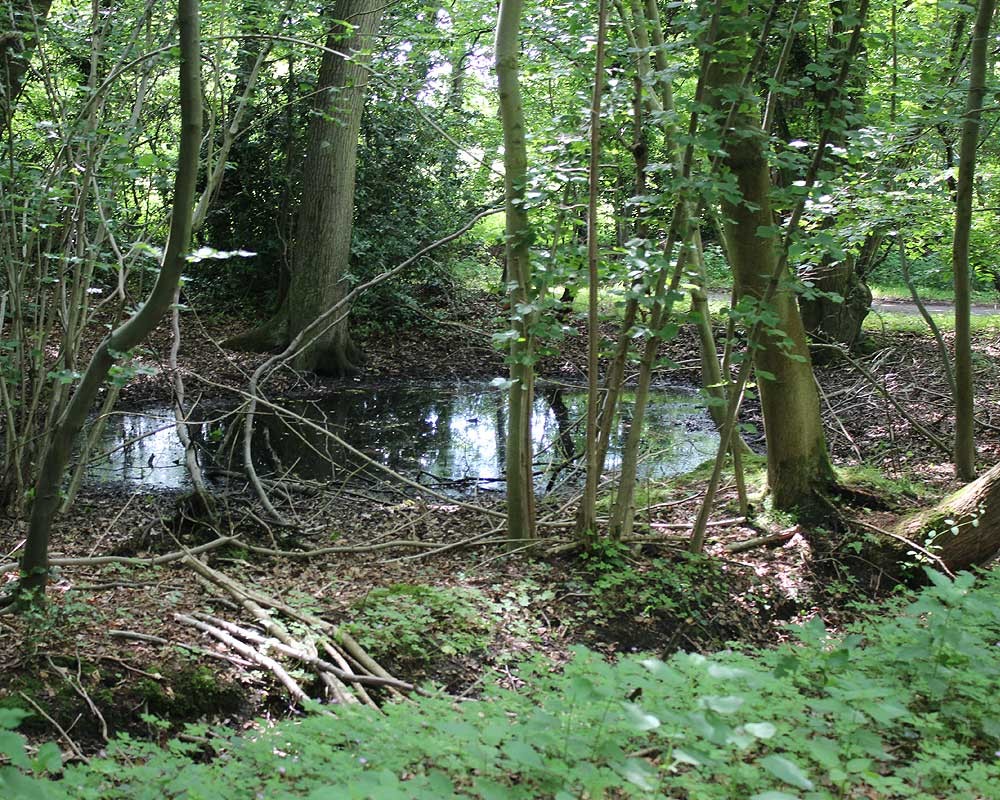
[797, 460]
[963, 530]
[19, 23]
[326, 216]
[837, 320]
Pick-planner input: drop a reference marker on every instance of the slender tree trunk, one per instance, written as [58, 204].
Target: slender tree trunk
[965, 445]
[34, 563]
[587, 518]
[520, 484]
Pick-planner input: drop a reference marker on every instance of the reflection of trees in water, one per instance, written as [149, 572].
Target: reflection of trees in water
[450, 435]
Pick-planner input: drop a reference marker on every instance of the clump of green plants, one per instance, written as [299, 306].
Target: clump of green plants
[900, 707]
[658, 593]
[412, 626]
[870, 478]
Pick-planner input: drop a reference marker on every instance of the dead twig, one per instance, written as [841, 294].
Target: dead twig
[62, 731]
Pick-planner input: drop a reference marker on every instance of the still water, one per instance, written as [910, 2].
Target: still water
[447, 436]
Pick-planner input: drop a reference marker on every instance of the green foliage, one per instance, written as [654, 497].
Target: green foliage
[18, 762]
[868, 477]
[901, 707]
[413, 625]
[626, 588]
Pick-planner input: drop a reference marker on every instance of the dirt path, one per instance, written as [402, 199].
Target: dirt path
[895, 305]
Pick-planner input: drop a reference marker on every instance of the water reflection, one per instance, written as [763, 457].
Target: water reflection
[440, 435]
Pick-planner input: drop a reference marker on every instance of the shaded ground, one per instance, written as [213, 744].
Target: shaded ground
[81, 663]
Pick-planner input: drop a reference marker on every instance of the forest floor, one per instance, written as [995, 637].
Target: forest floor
[425, 583]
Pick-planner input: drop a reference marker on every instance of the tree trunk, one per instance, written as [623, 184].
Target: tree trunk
[965, 446]
[18, 37]
[322, 249]
[34, 563]
[963, 530]
[520, 481]
[586, 520]
[832, 319]
[797, 460]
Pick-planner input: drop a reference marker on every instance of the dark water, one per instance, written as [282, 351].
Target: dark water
[445, 436]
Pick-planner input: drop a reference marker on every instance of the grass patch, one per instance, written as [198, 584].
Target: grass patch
[867, 477]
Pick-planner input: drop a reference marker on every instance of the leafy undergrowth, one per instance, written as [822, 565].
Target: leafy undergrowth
[411, 627]
[903, 706]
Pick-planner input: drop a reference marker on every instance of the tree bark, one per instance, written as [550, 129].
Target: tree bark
[586, 520]
[520, 481]
[322, 251]
[797, 460]
[34, 563]
[18, 37]
[963, 530]
[965, 446]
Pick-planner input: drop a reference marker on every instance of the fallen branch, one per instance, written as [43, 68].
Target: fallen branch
[250, 654]
[62, 731]
[686, 526]
[153, 561]
[761, 541]
[136, 636]
[307, 658]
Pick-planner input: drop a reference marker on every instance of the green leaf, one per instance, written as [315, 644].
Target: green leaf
[640, 773]
[639, 719]
[12, 748]
[787, 771]
[760, 730]
[48, 758]
[522, 754]
[722, 705]
[10, 718]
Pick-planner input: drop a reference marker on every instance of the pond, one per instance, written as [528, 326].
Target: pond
[450, 437]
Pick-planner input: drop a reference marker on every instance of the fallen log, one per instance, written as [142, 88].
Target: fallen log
[963, 529]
